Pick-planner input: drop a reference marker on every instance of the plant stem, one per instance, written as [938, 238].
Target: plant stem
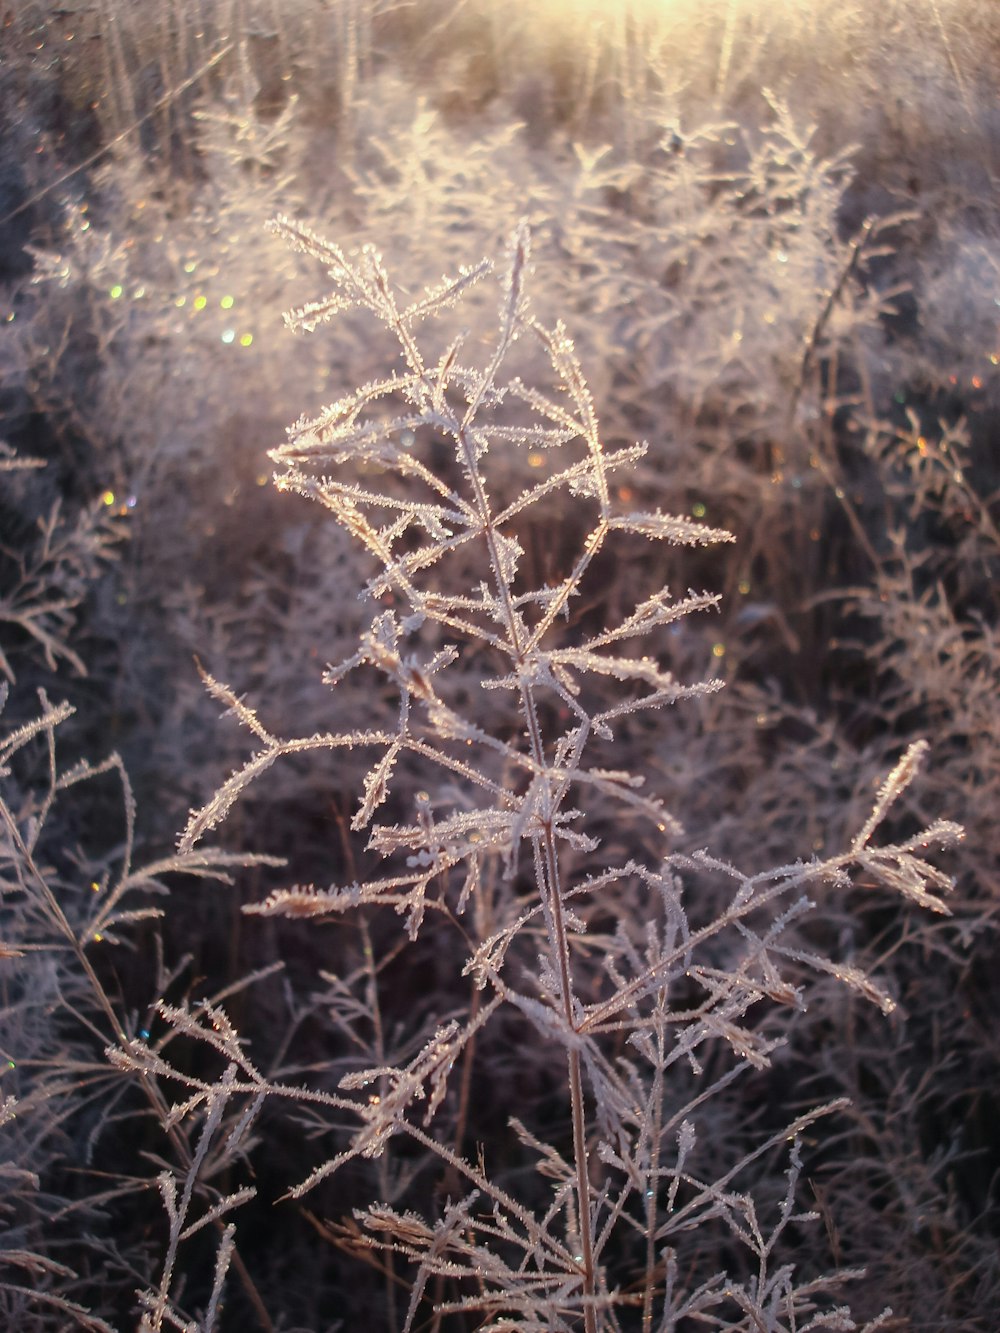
[561, 945]
[547, 867]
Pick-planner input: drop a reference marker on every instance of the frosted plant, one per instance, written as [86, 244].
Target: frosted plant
[62, 909]
[693, 262]
[466, 605]
[44, 580]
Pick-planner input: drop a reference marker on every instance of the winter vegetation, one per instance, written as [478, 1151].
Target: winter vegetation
[560, 441]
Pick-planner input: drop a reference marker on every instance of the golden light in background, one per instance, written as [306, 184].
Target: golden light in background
[699, 41]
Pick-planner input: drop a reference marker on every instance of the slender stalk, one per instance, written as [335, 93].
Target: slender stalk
[653, 1174]
[561, 947]
[548, 879]
[378, 1033]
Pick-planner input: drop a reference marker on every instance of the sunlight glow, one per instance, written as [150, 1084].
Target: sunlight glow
[671, 9]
